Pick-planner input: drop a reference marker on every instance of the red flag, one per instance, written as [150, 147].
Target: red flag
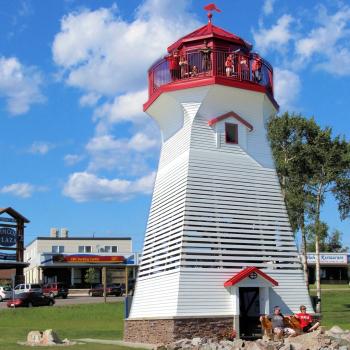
[211, 7]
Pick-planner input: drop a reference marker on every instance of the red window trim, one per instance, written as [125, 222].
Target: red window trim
[235, 133]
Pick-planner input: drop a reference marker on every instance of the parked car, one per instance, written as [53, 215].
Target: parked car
[55, 290]
[5, 292]
[111, 289]
[27, 287]
[30, 299]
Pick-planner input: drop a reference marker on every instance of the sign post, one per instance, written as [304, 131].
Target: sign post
[104, 281]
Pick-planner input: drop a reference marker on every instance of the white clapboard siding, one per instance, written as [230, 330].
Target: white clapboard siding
[216, 209]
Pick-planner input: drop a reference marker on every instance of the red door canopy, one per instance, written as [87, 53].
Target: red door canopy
[247, 272]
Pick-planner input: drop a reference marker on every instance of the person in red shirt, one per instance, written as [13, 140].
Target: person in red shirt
[305, 320]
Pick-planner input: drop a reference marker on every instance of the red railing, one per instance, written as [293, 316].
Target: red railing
[195, 65]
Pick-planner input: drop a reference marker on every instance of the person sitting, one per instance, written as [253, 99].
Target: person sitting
[305, 320]
[229, 65]
[194, 71]
[278, 326]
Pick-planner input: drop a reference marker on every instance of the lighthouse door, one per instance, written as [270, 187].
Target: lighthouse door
[249, 307]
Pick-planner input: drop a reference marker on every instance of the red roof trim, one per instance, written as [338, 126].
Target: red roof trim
[228, 115]
[245, 273]
[192, 83]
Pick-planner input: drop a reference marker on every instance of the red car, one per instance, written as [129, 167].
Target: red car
[111, 289]
[30, 299]
[55, 290]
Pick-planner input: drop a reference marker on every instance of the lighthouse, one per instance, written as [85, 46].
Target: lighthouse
[218, 250]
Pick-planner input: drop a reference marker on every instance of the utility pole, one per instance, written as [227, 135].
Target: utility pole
[104, 282]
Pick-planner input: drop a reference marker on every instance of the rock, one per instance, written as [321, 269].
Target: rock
[343, 347]
[196, 341]
[50, 337]
[336, 330]
[34, 337]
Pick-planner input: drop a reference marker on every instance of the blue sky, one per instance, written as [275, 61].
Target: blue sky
[76, 149]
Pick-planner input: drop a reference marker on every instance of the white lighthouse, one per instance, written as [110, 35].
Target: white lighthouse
[218, 250]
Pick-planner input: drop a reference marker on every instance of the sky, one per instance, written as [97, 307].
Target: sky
[76, 150]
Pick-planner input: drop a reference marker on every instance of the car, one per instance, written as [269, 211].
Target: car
[29, 299]
[5, 292]
[55, 290]
[27, 287]
[111, 289]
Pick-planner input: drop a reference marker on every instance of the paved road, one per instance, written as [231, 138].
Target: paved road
[78, 300]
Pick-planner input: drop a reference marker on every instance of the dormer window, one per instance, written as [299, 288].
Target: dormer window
[231, 133]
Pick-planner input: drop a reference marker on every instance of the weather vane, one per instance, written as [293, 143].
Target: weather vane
[210, 8]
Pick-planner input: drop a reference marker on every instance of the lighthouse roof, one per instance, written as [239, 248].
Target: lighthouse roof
[209, 31]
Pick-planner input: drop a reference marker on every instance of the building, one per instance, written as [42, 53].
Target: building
[12, 225]
[335, 268]
[61, 258]
[218, 250]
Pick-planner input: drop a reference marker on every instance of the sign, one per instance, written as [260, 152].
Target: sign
[253, 275]
[88, 259]
[6, 257]
[328, 259]
[7, 219]
[7, 237]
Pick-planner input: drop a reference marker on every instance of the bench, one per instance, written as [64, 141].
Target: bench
[290, 322]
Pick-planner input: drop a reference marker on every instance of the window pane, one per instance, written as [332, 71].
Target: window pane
[107, 249]
[61, 249]
[81, 249]
[231, 131]
[114, 249]
[88, 249]
[54, 249]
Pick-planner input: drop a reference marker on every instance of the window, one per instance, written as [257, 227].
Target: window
[84, 249]
[108, 249]
[114, 249]
[231, 133]
[57, 249]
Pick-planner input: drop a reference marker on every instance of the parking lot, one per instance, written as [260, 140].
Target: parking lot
[72, 300]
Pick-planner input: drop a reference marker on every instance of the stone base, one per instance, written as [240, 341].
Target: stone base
[162, 331]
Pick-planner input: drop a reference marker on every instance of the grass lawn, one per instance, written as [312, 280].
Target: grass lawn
[331, 286]
[100, 321]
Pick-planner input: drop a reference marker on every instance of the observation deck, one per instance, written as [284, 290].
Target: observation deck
[210, 55]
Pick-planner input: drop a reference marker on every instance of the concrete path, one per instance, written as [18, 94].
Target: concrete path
[116, 342]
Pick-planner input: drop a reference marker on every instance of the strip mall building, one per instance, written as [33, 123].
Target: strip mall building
[59, 258]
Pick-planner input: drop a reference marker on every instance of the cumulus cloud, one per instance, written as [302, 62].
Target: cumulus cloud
[19, 85]
[101, 52]
[84, 186]
[39, 147]
[89, 100]
[287, 87]
[21, 189]
[276, 37]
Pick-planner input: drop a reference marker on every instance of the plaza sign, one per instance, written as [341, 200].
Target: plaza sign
[88, 259]
[329, 259]
[7, 237]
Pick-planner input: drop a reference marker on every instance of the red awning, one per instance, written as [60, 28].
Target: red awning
[246, 273]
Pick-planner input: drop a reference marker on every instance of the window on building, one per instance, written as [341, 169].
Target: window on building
[108, 249]
[84, 249]
[114, 249]
[57, 249]
[231, 133]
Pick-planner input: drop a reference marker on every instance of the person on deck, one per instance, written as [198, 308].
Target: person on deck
[229, 65]
[305, 320]
[173, 60]
[206, 53]
[256, 69]
[244, 68]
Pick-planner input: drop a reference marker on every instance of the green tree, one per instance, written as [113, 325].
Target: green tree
[90, 276]
[329, 161]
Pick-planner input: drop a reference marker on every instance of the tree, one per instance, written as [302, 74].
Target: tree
[90, 276]
[289, 136]
[329, 161]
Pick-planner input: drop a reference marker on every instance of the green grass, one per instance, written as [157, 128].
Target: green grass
[100, 321]
[331, 286]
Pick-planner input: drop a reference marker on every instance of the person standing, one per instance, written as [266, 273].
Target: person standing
[206, 55]
[173, 60]
[229, 66]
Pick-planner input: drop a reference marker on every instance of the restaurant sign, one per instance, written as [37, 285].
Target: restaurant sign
[7, 237]
[331, 259]
[99, 259]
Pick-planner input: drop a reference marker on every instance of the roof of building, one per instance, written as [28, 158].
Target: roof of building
[15, 214]
[209, 31]
[228, 115]
[246, 273]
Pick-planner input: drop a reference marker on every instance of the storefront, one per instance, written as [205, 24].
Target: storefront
[334, 268]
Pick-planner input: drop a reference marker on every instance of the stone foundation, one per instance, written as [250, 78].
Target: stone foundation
[160, 331]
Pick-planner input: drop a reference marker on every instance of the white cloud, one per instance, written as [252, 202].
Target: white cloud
[39, 147]
[89, 100]
[19, 85]
[275, 38]
[84, 186]
[21, 189]
[268, 7]
[72, 159]
[287, 87]
[105, 54]
[126, 155]
[338, 64]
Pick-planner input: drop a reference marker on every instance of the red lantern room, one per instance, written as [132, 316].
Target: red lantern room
[210, 55]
